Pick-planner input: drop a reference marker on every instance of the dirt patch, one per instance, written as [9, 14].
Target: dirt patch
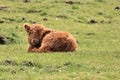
[13, 72]
[8, 62]
[10, 39]
[92, 21]
[71, 2]
[2, 41]
[30, 64]
[1, 21]
[45, 19]
[27, 63]
[33, 11]
[90, 33]
[8, 19]
[26, 0]
[3, 7]
[62, 16]
[117, 8]
[6, 40]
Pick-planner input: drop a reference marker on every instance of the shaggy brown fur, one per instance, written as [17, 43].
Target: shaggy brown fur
[42, 39]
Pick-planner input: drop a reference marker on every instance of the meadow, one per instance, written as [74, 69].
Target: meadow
[95, 24]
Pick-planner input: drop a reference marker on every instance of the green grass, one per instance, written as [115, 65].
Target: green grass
[98, 53]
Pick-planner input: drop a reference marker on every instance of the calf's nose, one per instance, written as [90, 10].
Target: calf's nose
[34, 40]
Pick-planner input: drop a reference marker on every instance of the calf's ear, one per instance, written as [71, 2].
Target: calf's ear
[27, 27]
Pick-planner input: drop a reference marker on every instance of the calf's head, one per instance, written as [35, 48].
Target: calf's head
[35, 34]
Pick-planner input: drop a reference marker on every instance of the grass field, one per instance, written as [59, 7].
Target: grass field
[95, 24]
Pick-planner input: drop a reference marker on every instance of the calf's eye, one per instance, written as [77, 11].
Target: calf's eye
[30, 33]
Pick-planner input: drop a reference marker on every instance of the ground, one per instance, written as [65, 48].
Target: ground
[94, 23]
